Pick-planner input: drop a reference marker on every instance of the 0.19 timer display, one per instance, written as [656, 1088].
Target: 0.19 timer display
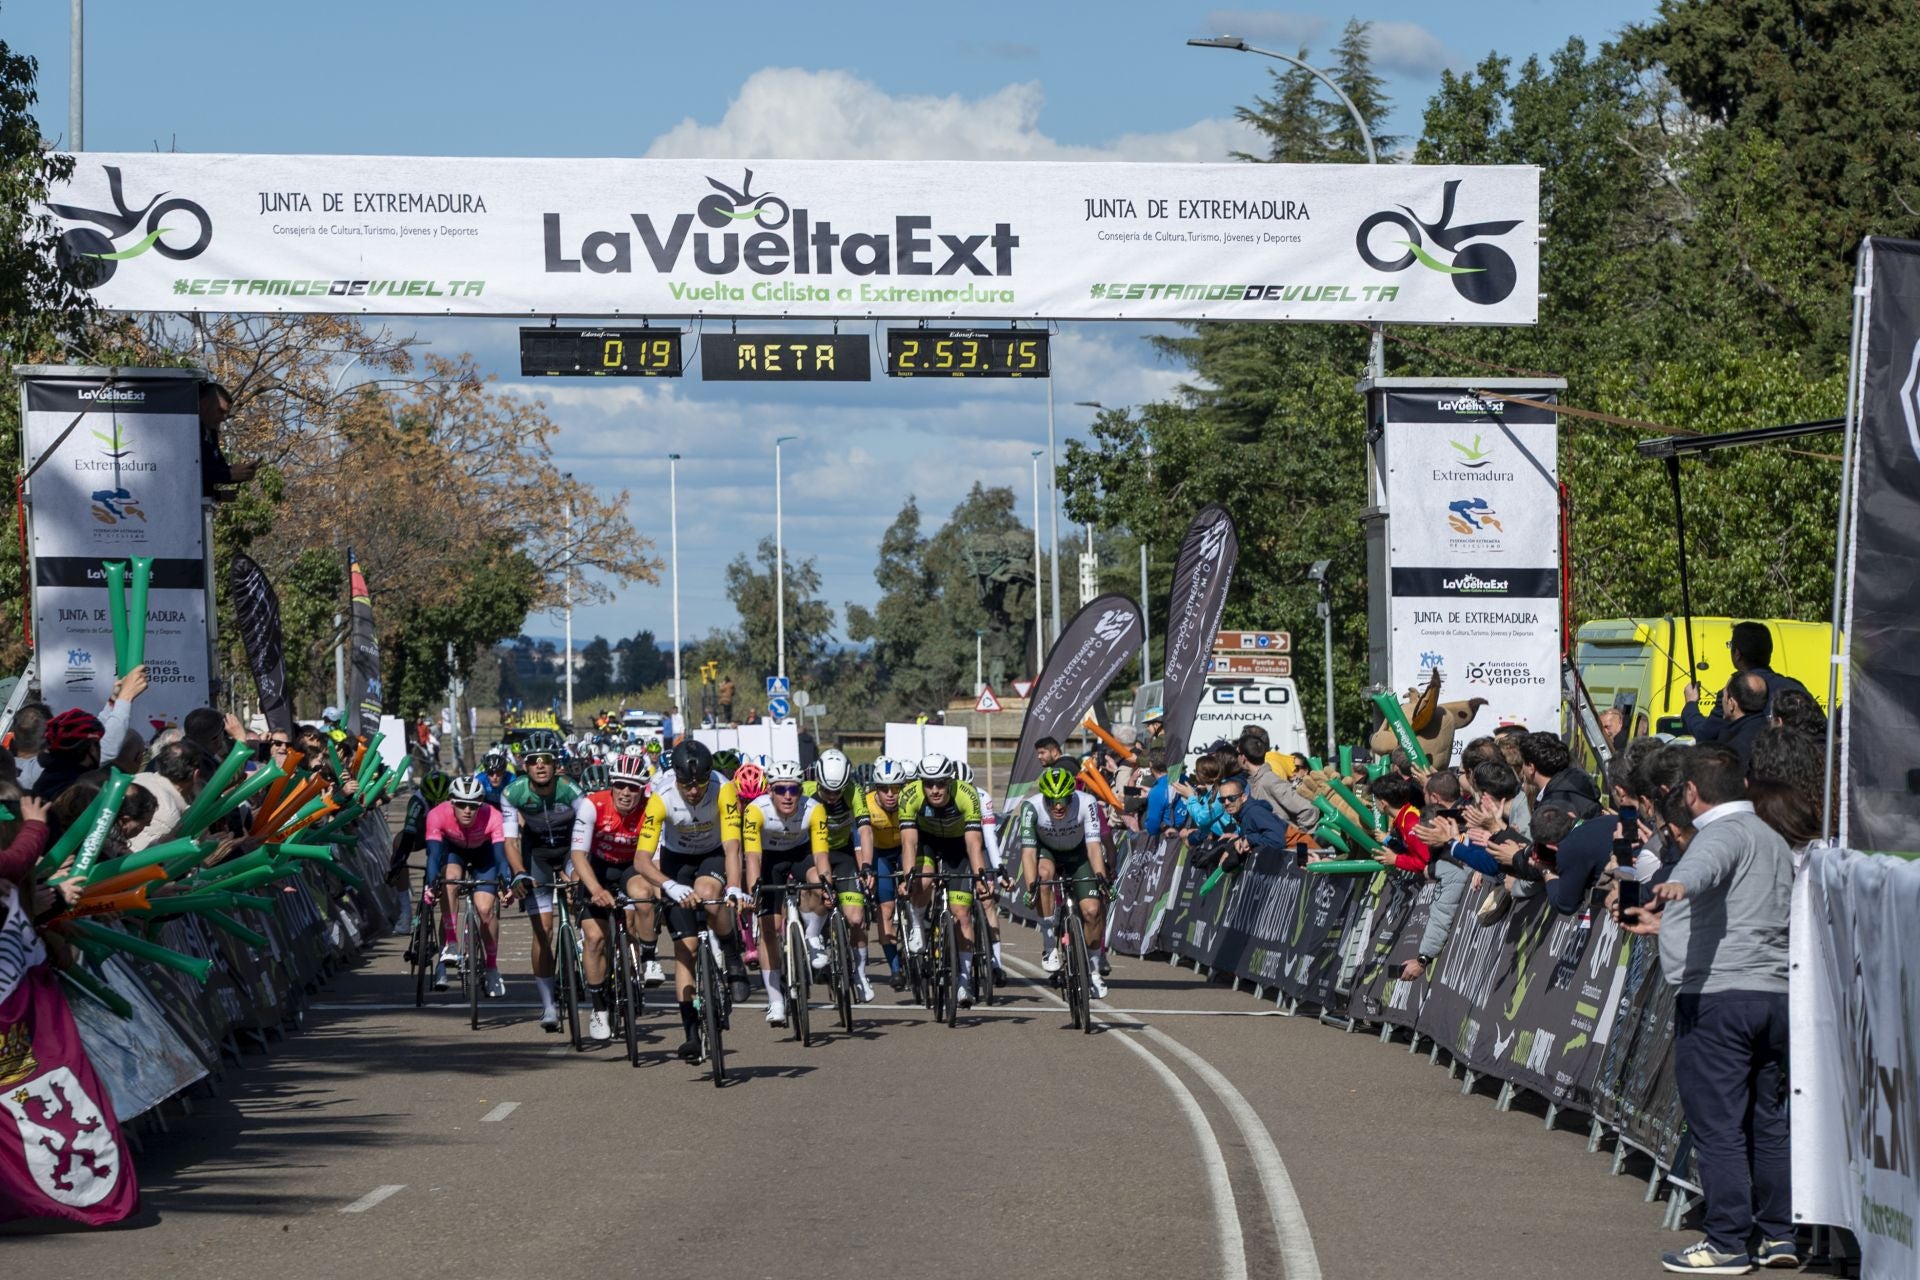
[966, 353]
[600, 353]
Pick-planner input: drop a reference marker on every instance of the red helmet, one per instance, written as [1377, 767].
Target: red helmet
[71, 730]
[750, 780]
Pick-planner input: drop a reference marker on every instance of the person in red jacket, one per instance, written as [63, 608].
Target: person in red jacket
[1402, 797]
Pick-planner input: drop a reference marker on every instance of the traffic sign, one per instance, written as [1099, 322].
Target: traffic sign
[778, 686]
[1021, 688]
[1258, 641]
[1251, 664]
[801, 698]
[988, 704]
[778, 708]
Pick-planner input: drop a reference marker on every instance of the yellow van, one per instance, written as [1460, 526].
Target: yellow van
[1642, 663]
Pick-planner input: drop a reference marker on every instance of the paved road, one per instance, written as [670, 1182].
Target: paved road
[1192, 1135]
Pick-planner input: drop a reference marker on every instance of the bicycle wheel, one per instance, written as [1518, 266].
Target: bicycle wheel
[470, 958]
[799, 976]
[1080, 984]
[842, 970]
[982, 955]
[950, 946]
[624, 983]
[707, 984]
[934, 966]
[566, 954]
[426, 948]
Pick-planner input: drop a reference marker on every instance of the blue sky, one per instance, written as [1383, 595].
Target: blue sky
[988, 80]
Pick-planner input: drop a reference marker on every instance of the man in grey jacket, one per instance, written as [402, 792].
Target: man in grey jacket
[1723, 943]
[1264, 784]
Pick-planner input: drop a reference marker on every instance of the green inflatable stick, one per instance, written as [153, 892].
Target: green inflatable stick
[1377, 768]
[371, 760]
[70, 838]
[227, 924]
[199, 814]
[247, 879]
[111, 794]
[151, 856]
[137, 611]
[1365, 811]
[1206, 886]
[1344, 824]
[1315, 763]
[234, 866]
[1325, 833]
[116, 571]
[254, 785]
[114, 940]
[339, 770]
[94, 989]
[1346, 761]
[1351, 867]
[1396, 720]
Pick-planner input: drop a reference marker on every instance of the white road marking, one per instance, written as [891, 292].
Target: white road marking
[373, 1198]
[1228, 1233]
[500, 1112]
[863, 1010]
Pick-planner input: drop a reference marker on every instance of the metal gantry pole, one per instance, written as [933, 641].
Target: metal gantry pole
[1856, 372]
[779, 567]
[673, 543]
[77, 78]
[1053, 501]
[1039, 600]
[569, 590]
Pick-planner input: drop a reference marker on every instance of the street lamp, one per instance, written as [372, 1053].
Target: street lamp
[1377, 351]
[1039, 602]
[979, 661]
[1318, 575]
[1053, 501]
[673, 541]
[568, 477]
[779, 567]
[1146, 627]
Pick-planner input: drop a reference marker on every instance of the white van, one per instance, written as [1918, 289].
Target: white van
[1229, 704]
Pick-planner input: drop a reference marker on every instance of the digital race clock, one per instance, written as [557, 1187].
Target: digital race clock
[600, 353]
[966, 353]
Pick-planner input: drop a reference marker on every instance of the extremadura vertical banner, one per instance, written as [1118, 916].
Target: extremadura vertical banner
[113, 463]
[1096, 643]
[1201, 576]
[256, 609]
[1880, 810]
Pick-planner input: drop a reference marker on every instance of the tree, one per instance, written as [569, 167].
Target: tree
[1290, 120]
[1353, 72]
[594, 678]
[809, 621]
[646, 663]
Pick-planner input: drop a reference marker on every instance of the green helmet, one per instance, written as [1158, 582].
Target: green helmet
[595, 777]
[435, 787]
[542, 742]
[726, 760]
[1056, 783]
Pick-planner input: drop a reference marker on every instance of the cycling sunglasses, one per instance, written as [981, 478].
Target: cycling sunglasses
[469, 805]
[787, 789]
[625, 786]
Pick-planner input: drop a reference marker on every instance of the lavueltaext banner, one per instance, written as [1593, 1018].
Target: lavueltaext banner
[1201, 575]
[1403, 244]
[1095, 644]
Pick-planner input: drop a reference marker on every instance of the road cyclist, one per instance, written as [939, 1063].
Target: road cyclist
[876, 815]
[1060, 842]
[604, 848]
[464, 842]
[940, 836]
[852, 868]
[690, 851]
[784, 836]
[990, 841]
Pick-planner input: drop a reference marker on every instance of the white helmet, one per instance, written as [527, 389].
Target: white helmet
[963, 771]
[834, 770]
[784, 771]
[937, 768]
[888, 772]
[466, 789]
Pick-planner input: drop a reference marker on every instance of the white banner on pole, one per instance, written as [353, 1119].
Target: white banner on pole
[1474, 541]
[1404, 244]
[124, 482]
[759, 742]
[910, 742]
[1856, 1054]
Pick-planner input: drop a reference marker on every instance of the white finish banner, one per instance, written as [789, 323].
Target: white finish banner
[1856, 1054]
[1405, 244]
[124, 482]
[1474, 542]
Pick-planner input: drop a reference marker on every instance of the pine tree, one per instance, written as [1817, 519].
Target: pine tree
[1353, 72]
[1289, 120]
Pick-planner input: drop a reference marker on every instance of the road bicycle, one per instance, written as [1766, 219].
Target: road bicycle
[470, 939]
[423, 948]
[1075, 978]
[842, 966]
[712, 1002]
[568, 950]
[796, 970]
[630, 992]
[942, 958]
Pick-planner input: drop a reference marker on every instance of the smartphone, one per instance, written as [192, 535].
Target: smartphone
[1625, 850]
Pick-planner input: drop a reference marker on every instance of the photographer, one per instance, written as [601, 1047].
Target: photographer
[1723, 944]
[1573, 856]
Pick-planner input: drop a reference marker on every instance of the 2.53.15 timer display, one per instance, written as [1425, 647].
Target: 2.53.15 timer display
[966, 353]
[600, 353]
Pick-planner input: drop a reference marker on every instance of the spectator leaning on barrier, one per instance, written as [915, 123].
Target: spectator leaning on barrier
[1263, 784]
[1573, 856]
[72, 749]
[173, 780]
[1402, 798]
[1548, 774]
[1784, 775]
[1723, 944]
[1507, 739]
[1751, 648]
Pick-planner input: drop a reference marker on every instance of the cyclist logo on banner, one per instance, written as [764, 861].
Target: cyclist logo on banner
[1481, 273]
[94, 252]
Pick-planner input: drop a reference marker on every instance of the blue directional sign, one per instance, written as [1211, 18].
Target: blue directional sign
[778, 687]
[778, 708]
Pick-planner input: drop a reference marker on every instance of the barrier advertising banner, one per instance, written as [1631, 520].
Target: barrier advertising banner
[1880, 807]
[256, 610]
[1856, 1054]
[1474, 541]
[1201, 575]
[122, 481]
[1404, 244]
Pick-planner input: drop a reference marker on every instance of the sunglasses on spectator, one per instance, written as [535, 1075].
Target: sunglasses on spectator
[787, 789]
[281, 744]
[1232, 797]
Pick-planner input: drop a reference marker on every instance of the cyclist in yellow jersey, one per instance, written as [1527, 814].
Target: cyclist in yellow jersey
[940, 830]
[784, 835]
[852, 868]
[876, 810]
[693, 825]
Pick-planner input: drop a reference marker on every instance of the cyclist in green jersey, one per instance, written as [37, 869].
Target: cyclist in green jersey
[940, 830]
[1060, 840]
[537, 811]
[851, 868]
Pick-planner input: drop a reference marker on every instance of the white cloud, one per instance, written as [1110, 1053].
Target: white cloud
[1291, 31]
[791, 113]
[1410, 49]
